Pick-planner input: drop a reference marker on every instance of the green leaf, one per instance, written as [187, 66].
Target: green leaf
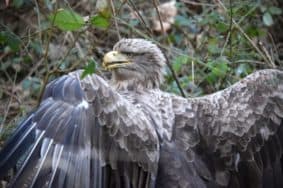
[31, 83]
[267, 19]
[26, 84]
[213, 46]
[222, 27]
[36, 85]
[242, 70]
[89, 69]
[27, 59]
[179, 62]
[134, 22]
[100, 21]
[263, 8]
[18, 3]
[275, 10]
[254, 31]
[48, 4]
[218, 69]
[10, 39]
[36, 46]
[67, 20]
[182, 21]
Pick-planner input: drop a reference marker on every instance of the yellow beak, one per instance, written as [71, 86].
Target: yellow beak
[114, 59]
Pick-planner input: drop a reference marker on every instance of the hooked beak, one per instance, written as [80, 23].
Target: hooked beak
[114, 59]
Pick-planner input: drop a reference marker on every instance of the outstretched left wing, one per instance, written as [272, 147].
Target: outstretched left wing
[84, 134]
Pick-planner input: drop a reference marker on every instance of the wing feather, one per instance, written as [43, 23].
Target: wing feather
[81, 132]
[239, 127]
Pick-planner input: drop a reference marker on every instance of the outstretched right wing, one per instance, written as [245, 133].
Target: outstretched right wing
[83, 134]
[237, 132]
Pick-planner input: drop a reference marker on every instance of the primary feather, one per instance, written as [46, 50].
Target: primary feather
[129, 133]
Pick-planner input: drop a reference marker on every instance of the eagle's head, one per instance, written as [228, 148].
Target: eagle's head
[135, 63]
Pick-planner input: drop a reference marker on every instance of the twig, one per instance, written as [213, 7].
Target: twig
[267, 55]
[57, 68]
[11, 94]
[279, 50]
[121, 6]
[174, 76]
[45, 59]
[245, 35]
[225, 44]
[38, 19]
[115, 21]
[233, 26]
[8, 106]
[193, 72]
[250, 61]
[167, 59]
[159, 16]
[198, 4]
[140, 17]
[175, 50]
[230, 29]
[275, 50]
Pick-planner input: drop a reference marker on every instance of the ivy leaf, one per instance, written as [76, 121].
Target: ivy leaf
[218, 69]
[242, 70]
[179, 62]
[32, 84]
[100, 21]
[12, 40]
[182, 21]
[275, 10]
[267, 19]
[89, 69]
[221, 27]
[67, 20]
[18, 3]
[213, 46]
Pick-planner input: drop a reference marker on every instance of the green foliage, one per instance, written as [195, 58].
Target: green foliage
[242, 70]
[217, 70]
[67, 20]
[179, 62]
[268, 13]
[32, 84]
[10, 40]
[17, 3]
[275, 10]
[267, 19]
[100, 21]
[89, 69]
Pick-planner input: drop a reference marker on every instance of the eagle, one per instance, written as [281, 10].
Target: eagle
[128, 133]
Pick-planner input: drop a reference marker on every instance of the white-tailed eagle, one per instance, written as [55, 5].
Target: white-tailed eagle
[130, 134]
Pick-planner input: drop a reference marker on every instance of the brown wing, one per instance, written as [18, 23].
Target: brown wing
[237, 132]
[83, 134]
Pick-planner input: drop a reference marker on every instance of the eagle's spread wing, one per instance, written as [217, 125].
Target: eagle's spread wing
[88, 134]
[237, 132]
[83, 134]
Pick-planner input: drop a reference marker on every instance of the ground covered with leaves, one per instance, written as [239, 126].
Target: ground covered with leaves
[209, 45]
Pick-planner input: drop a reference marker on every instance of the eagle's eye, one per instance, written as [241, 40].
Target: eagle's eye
[128, 54]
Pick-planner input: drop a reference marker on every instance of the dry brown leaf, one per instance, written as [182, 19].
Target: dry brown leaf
[167, 12]
[7, 2]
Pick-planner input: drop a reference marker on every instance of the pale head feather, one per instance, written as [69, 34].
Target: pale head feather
[147, 68]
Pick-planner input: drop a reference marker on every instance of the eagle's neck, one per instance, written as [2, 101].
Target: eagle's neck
[134, 85]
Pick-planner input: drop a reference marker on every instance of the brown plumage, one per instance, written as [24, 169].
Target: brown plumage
[129, 133]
